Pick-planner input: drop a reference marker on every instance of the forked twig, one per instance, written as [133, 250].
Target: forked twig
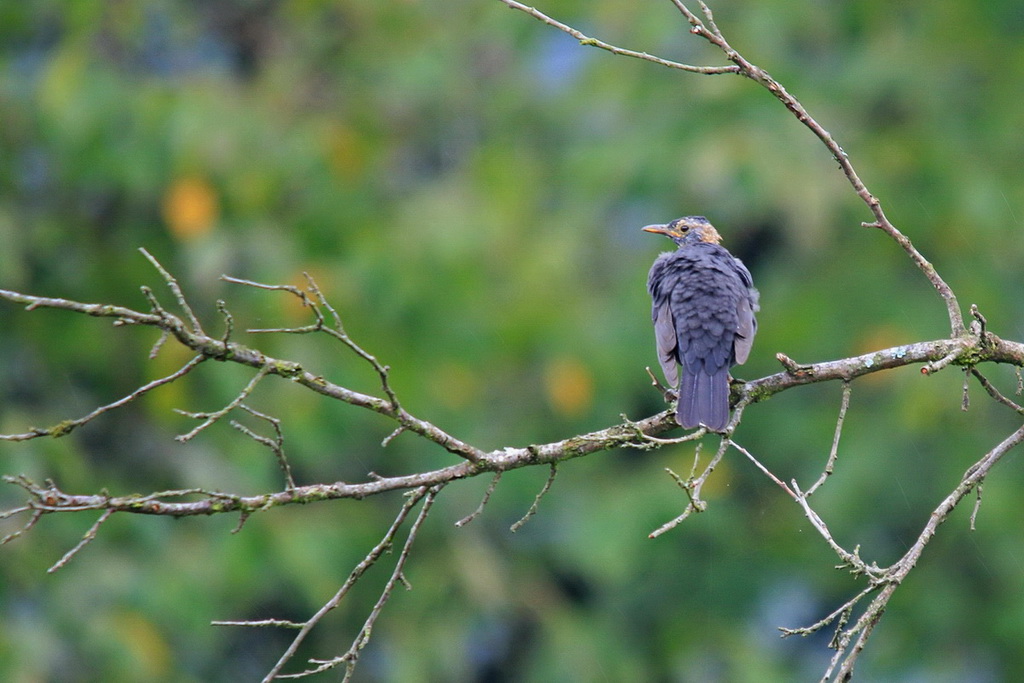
[371, 558]
[211, 418]
[692, 487]
[65, 427]
[175, 288]
[593, 42]
[276, 445]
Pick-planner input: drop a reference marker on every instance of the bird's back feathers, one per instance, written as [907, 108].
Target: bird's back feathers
[703, 306]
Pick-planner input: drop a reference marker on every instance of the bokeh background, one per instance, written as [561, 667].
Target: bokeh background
[467, 185]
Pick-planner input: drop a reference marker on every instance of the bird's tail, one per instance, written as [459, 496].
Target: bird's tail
[703, 399]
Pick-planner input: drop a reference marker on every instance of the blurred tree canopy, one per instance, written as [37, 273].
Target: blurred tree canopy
[467, 185]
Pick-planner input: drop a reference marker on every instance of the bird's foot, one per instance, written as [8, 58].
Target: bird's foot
[669, 394]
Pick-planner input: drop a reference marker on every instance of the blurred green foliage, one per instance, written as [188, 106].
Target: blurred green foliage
[466, 185]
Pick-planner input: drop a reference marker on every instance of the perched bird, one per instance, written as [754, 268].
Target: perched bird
[703, 309]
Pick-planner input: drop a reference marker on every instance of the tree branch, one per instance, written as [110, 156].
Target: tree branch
[965, 350]
[593, 42]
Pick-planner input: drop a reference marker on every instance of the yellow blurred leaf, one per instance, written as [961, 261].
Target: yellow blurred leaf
[190, 207]
[347, 152]
[142, 640]
[569, 386]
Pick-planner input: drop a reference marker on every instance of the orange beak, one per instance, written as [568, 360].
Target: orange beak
[661, 229]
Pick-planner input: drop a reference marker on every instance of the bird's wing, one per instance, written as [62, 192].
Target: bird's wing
[665, 336]
[747, 279]
[746, 327]
[746, 323]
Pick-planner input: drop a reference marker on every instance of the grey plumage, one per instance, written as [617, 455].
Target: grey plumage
[703, 306]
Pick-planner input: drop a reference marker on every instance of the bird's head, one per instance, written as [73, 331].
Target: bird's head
[687, 230]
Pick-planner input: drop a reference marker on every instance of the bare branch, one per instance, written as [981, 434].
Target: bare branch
[357, 573]
[217, 349]
[276, 445]
[849, 559]
[480, 508]
[834, 451]
[338, 332]
[260, 623]
[363, 638]
[179, 297]
[65, 427]
[392, 436]
[768, 473]
[692, 487]
[890, 578]
[936, 366]
[229, 321]
[210, 418]
[958, 351]
[593, 42]
[995, 393]
[977, 504]
[536, 501]
[36, 515]
[86, 539]
[843, 609]
[164, 336]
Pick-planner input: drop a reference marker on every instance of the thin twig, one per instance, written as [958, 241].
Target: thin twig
[210, 418]
[995, 393]
[36, 515]
[275, 288]
[392, 436]
[314, 300]
[825, 621]
[179, 297]
[536, 501]
[480, 508]
[768, 473]
[891, 578]
[338, 331]
[352, 656]
[593, 42]
[229, 321]
[687, 485]
[693, 487]
[977, 503]
[164, 336]
[965, 400]
[86, 539]
[276, 445]
[834, 451]
[65, 427]
[357, 573]
[260, 623]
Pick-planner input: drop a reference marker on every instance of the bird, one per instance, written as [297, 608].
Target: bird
[703, 308]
